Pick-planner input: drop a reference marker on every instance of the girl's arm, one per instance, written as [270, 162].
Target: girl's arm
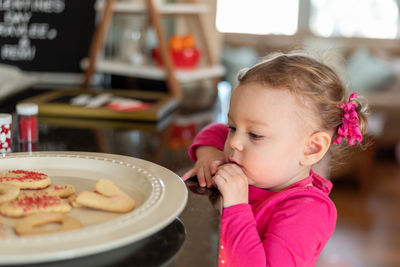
[294, 234]
[207, 152]
[213, 135]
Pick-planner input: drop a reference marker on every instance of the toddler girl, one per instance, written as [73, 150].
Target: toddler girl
[284, 115]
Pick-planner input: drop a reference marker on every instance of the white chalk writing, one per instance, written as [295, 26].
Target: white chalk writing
[22, 51]
[17, 24]
[44, 6]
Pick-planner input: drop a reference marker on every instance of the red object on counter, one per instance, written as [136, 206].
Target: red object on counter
[28, 129]
[183, 59]
[27, 122]
[182, 135]
[28, 146]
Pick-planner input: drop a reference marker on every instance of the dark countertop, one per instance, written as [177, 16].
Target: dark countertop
[192, 238]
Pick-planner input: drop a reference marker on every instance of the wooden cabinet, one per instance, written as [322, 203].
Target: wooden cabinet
[174, 77]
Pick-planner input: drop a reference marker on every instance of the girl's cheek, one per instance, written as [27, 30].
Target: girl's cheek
[227, 150]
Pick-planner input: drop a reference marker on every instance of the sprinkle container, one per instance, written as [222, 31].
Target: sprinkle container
[5, 132]
[27, 122]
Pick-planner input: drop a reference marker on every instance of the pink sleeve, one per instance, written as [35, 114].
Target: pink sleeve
[212, 135]
[294, 234]
[240, 244]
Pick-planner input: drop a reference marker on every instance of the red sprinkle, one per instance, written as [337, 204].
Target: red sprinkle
[57, 187]
[37, 202]
[24, 175]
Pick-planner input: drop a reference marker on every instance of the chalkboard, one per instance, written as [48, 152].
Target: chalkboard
[46, 35]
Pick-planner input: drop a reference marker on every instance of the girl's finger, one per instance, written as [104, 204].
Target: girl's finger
[190, 173]
[220, 182]
[207, 176]
[232, 169]
[201, 178]
[214, 166]
[222, 175]
[226, 170]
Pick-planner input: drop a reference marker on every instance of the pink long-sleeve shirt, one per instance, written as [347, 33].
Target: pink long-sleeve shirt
[286, 228]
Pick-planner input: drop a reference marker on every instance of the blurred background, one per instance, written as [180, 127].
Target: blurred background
[51, 47]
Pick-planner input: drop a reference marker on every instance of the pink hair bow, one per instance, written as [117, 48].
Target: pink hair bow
[350, 123]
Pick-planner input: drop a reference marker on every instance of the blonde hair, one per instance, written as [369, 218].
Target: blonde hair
[312, 81]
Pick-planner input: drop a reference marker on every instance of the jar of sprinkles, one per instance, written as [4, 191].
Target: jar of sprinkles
[27, 122]
[5, 132]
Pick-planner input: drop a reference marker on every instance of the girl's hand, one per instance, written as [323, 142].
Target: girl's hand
[233, 184]
[208, 160]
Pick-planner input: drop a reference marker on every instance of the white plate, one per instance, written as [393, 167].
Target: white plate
[160, 196]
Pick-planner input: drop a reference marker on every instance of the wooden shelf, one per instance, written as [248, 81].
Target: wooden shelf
[172, 76]
[154, 72]
[171, 9]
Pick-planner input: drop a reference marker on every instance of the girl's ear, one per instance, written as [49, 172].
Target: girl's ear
[315, 148]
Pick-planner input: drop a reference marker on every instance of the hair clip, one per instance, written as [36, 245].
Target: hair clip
[350, 128]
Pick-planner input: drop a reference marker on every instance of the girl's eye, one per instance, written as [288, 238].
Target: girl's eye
[231, 128]
[255, 136]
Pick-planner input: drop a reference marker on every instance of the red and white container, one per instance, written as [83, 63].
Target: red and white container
[27, 122]
[5, 132]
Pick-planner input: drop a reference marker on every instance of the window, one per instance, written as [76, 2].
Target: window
[327, 18]
[354, 18]
[257, 16]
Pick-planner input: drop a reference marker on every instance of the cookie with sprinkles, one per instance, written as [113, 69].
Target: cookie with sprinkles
[61, 191]
[8, 192]
[25, 179]
[27, 204]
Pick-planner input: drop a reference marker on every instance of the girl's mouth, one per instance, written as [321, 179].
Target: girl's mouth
[234, 162]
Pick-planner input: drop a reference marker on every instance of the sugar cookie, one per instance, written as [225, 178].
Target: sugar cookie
[25, 179]
[107, 197]
[27, 203]
[30, 225]
[72, 201]
[8, 192]
[62, 190]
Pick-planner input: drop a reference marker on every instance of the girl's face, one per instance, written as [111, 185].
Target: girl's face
[267, 136]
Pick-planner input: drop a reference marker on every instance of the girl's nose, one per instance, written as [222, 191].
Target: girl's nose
[235, 142]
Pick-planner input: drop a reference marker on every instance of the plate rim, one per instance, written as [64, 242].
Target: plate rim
[168, 178]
